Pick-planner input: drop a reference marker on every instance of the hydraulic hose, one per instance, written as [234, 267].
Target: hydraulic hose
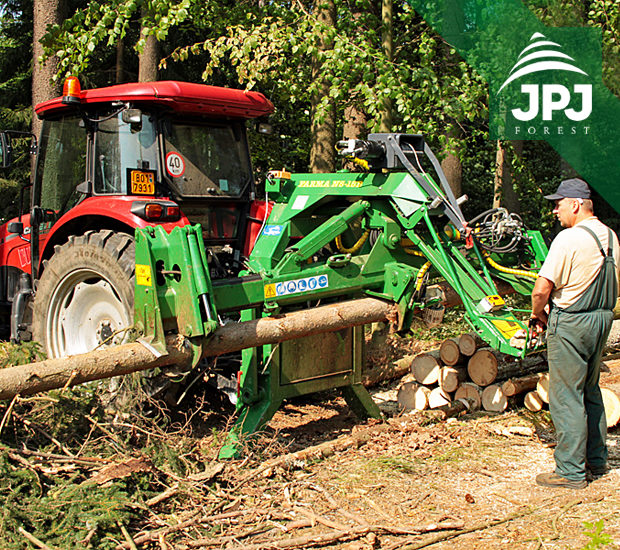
[510, 270]
[360, 242]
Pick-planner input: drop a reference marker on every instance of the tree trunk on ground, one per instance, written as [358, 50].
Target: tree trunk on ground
[493, 399]
[515, 386]
[533, 402]
[454, 409]
[542, 387]
[323, 125]
[118, 360]
[469, 343]
[450, 353]
[426, 367]
[611, 400]
[488, 365]
[450, 378]
[467, 390]
[45, 12]
[394, 369]
[438, 398]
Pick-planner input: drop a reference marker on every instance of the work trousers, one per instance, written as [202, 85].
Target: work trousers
[574, 345]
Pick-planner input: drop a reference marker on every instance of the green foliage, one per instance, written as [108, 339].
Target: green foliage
[20, 354]
[598, 539]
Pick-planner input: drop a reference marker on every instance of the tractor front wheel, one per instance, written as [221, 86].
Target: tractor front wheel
[84, 299]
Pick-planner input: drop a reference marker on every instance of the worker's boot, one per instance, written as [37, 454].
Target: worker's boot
[555, 480]
[596, 472]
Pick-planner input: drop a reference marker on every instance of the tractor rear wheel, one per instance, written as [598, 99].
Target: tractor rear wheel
[84, 299]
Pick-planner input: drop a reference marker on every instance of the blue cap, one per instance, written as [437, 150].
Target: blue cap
[573, 188]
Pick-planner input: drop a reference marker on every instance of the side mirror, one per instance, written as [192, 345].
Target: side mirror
[133, 117]
[15, 227]
[6, 150]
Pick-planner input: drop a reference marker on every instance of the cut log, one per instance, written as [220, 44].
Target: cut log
[542, 387]
[487, 365]
[450, 378]
[493, 399]
[469, 343]
[467, 390]
[406, 395]
[388, 371]
[456, 408]
[127, 358]
[611, 400]
[533, 402]
[438, 398]
[421, 398]
[449, 352]
[515, 386]
[426, 368]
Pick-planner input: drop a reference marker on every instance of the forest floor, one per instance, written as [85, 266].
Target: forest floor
[318, 477]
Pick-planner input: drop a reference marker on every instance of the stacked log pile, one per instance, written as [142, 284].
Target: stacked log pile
[465, 368]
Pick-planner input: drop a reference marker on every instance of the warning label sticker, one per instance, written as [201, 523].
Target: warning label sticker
[143, 275]
[308, 284]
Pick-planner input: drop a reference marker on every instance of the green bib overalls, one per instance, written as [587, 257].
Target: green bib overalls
[575, 339]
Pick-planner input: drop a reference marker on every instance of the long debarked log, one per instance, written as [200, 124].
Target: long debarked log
[127, 358]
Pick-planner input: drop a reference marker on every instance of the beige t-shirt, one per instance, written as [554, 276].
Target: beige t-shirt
[574, 260]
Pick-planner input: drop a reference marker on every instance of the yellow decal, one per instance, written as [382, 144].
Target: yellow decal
[507, 328]
[270, 291]
[143, 275]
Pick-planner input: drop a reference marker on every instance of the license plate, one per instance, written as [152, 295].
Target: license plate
[142, 182]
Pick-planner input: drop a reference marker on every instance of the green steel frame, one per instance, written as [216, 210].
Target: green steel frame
[398, 226]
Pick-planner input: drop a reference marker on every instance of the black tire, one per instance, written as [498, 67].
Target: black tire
[85, 294]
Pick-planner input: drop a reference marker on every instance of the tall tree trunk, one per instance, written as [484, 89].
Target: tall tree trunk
[45, 12]
[323, 120]
[451, 165]
[148, 59]
[386, 39]
[119, 67]
[503, 191]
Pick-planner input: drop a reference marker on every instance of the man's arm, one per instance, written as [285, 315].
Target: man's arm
[540, 299]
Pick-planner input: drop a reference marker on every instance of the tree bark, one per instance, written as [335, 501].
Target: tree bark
[450, 353]
[45, 12]
[469, 343]
[426, 368]
[323, 125]
[488, 365]
[533, 402]
[493, 399]
[438, 398]
[119, 67]
[450, 378]
[148, 59]
[611, 400]
[386, 122]
[467, 390]
[515, 386]
[119, 360]
[504, 194]
[542, 387]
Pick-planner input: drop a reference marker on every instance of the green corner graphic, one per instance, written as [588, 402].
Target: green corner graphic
[544, 82]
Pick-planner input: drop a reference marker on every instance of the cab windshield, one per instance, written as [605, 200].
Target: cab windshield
[206, 159]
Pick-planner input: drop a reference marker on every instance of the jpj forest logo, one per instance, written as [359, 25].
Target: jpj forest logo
[545, 93]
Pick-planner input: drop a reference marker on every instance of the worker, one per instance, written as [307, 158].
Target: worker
[579, 281]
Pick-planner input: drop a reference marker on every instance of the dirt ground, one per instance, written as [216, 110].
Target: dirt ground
[465, 483]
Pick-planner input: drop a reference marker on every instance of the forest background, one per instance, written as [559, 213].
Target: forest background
[334, 69]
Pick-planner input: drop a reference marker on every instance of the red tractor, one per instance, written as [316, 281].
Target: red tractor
[110, 160]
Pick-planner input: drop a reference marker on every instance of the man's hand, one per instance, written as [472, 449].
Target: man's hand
[540, 298]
